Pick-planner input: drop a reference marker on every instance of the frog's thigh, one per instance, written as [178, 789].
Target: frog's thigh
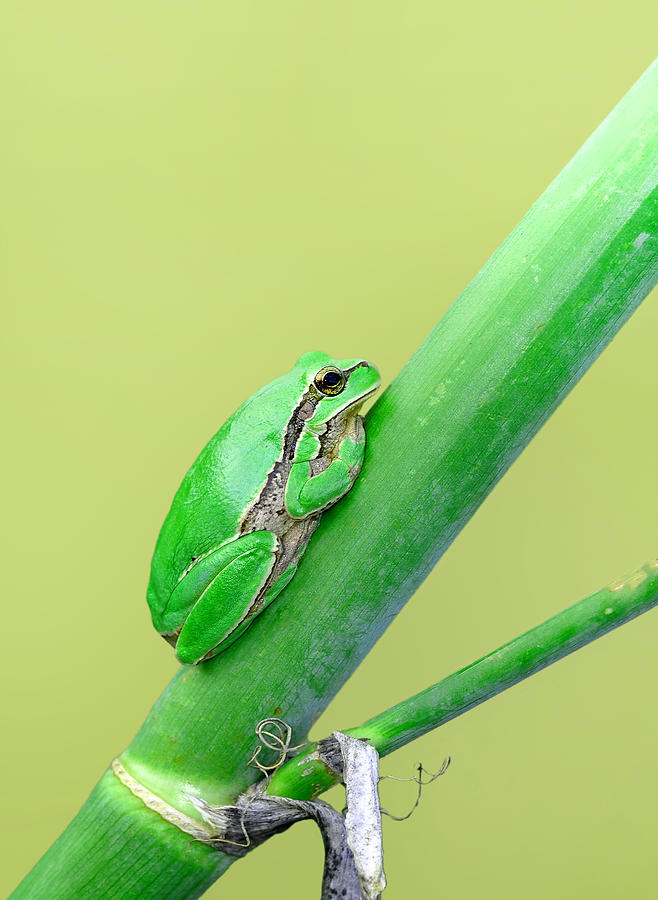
[283, 579]
[227, 598]
[307, 493]
[272, 594]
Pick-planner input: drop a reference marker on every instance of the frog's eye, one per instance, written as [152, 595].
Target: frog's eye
[330, 381]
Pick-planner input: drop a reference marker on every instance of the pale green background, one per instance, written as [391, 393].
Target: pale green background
[193, 194]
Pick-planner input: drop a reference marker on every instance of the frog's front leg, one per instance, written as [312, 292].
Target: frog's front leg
[219, 591]
[307, 493]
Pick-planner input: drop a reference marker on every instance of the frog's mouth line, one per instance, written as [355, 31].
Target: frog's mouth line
[361, 400]
[358, 401]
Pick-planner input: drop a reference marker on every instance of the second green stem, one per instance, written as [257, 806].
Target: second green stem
[521, 657]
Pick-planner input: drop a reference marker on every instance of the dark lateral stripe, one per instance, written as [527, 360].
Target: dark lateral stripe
[293, 433]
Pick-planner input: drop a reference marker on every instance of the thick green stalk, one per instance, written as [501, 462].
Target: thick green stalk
[531, 652]
[460, 412]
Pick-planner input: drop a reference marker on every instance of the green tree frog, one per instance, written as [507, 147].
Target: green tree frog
[247, 508]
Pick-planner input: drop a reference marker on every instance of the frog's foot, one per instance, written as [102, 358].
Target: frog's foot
[223, 587]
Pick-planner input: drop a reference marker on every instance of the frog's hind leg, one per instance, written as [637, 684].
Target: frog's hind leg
[272, 593]
[241, 568]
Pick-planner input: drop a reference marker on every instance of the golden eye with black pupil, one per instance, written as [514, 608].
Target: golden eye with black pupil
[330, 381]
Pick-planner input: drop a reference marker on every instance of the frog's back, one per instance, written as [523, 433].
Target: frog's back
[223, 482]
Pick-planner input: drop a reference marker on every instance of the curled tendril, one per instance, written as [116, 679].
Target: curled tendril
[273, 734]
[418, 779]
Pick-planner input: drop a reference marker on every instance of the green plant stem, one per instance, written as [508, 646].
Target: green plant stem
[554, 639]
[484, 381]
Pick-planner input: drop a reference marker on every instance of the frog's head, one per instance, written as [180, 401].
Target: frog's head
[338, 387]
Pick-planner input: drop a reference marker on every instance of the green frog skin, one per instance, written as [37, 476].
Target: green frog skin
[247, 508]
